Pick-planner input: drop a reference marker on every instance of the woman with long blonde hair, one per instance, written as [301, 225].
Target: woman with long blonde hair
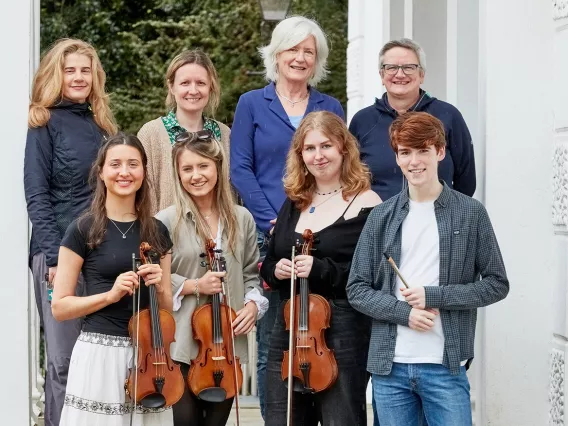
[69, 116]
[328, 192]
[204, 210]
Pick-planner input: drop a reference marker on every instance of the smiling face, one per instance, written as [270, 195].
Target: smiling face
[77, 77]
[297, 63]
[420, 165]
[400, 84]
[122, 171]
[198, 174]
[191, 88]
[322, 157]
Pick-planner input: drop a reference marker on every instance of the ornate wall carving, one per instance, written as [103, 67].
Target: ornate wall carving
[556, 392]
[560, 186]
[560, 8]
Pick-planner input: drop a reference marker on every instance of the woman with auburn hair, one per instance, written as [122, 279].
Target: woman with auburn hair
[100, 244]
[204, 210]
[69, 116]
[328, 191]
[193, 97]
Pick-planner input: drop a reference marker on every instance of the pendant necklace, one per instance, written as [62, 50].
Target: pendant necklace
[123, 233]
[313, 208]
[290, 101]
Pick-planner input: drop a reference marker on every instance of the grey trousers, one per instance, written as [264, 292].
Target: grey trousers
[60, 337]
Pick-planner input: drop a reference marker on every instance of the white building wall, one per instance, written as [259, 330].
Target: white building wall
[14, 86]
[504, 64]
[519, 152]
[559, 69]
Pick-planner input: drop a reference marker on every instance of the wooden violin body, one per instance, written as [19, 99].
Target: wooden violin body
[215, 374]
[212, 374]
[156, 381]
[313, 365]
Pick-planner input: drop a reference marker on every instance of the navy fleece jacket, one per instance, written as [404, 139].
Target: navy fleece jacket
[371, 128]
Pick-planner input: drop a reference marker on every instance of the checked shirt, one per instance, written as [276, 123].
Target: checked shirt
[472, 275]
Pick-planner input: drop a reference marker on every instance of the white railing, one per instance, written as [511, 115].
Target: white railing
[249, 369]
[35, 368]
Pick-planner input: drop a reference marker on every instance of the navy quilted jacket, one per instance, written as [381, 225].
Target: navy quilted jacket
[57, 163]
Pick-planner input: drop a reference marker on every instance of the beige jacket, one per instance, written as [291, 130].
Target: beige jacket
[242, 276]
[156, 142]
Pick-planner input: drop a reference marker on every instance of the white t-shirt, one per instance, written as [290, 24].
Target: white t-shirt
[420, 266]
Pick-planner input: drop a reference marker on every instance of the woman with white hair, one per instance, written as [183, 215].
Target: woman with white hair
[265, 121]
[402, 66]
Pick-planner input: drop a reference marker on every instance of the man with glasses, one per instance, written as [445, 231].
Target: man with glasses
[402, 66]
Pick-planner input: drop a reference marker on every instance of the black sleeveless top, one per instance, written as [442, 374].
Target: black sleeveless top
[333, 252]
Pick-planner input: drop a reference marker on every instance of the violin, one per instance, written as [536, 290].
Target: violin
[215, 374]
[309, 366]
[156, 381]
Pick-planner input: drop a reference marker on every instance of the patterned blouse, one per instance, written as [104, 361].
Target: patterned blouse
[174, 128]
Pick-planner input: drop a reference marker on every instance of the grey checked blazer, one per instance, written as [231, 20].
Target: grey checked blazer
[468, 250]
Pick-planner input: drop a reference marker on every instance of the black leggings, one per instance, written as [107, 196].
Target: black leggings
[345, 402]
[192, 411]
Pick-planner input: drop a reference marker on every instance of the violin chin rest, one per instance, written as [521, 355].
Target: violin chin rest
[213, 394]
[154, 400]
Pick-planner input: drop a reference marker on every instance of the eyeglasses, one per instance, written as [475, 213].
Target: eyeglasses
[407, 69]
[201, 135]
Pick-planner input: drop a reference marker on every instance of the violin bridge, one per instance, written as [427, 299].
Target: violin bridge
[217, 358]
[159, 363]
[303, 347]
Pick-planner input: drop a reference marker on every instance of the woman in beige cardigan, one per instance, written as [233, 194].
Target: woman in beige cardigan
[204, 209]
[193, 88]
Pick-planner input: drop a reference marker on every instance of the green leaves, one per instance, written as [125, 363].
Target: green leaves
[136, 41]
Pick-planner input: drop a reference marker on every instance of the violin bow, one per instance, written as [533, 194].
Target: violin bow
[135, 308]
[291, 341]
[227, 293]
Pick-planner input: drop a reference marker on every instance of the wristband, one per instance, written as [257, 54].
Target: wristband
[196, 289]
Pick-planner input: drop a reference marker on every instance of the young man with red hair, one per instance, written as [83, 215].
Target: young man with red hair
[447, 253]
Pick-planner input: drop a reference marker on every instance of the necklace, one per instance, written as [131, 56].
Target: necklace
[123, 233]
[290, 101]
[313, 208]
[207, 217]
[330, 192]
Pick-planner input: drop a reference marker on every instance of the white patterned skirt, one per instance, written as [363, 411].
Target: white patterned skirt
[95, 393]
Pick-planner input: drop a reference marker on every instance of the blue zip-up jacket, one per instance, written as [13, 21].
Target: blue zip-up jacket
[260, 140]
[58, 159]
[371, 128]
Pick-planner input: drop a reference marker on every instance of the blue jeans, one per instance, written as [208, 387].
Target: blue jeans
[412, 392]
[263, 332]
[264, 328]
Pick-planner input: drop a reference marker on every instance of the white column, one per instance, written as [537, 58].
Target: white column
[430, 23]
[368, 31]
[519, 147]
[14, 86]
[558, 392]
